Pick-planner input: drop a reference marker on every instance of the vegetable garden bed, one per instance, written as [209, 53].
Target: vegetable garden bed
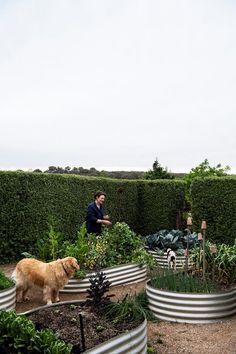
[163, 263]
[7, 293]
[101, 336]
[8, 298]
[191, 307]
[118, 275]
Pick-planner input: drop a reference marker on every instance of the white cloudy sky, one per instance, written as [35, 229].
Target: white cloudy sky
[116, 83]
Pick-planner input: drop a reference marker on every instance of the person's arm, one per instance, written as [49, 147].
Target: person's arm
[103, 221]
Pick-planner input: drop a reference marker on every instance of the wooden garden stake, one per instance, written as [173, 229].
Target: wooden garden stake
[199, 237]
[189, 224]
[203, 227]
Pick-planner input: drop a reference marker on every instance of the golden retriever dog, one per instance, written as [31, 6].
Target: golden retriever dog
[51, 277]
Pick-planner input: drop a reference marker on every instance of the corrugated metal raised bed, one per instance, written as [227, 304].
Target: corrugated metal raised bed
[8, 299]
[133, 341]
[189, 307]
[123, 274]
[162, 260]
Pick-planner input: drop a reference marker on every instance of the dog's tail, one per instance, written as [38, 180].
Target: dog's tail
[14, 275]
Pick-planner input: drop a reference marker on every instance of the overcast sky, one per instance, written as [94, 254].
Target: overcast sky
[114, 84]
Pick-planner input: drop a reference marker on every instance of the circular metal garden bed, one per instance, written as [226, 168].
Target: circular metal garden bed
[163, 263]
[117, 275]
[8, 299]
[133, 341]
[191, 307]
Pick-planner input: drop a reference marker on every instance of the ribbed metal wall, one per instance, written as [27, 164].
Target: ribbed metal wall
[124, 274]
[8, 299]
[131, 342]
[191, 308]
[163, 263]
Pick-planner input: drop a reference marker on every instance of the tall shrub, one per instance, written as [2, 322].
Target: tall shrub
[214, 200]
[159, 203]
[27, 200]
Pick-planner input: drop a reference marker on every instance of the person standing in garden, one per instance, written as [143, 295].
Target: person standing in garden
[95, 216]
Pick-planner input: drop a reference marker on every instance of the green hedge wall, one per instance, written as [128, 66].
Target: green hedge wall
[159, 202]
[214, 200]
[27, 200]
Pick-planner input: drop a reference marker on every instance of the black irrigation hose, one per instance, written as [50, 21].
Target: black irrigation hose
[82, 331]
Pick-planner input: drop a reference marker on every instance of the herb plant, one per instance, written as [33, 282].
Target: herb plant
[130, 308]
[220, 264]
[5, 282]
[181, 282]
[19, 334]
[49, 246]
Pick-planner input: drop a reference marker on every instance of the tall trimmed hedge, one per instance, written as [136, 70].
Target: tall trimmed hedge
[158, 203]
[214, 200]
[27, 200]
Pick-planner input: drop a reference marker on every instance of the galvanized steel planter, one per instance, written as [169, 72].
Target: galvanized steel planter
[8, 299]
[133, 341]
[162, 260]
[191, 307]
[123, 274]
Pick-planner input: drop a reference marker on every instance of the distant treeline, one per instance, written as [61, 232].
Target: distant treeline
[95, 173]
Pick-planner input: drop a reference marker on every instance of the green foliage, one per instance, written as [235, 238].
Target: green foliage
[220, 261]
[95, 173]
[181, 282]
[19, 334]
[28, 198]
[175, 239]
[158, 172]
[159, 203]
[79, 249]
[97, 254]
[203, 170]
[142, 301]
[125, 246]
[196, 256]
[122, 243]
[5, 282]
[151, 350]
[48, 247]
[214, 200]
[116, 245]
[225, 262]
[130, 308]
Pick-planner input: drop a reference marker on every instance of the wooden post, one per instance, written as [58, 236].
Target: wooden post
[203, 227]
[189, 224]
[199, 237]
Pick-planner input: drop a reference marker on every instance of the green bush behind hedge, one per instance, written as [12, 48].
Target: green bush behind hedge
[214, 200]
[27, 200]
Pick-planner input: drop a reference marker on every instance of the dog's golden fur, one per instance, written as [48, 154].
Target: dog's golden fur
[51, 276]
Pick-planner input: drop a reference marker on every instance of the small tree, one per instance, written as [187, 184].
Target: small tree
[203, 170]
[158, 172]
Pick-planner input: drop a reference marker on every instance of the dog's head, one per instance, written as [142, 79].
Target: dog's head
[71, 265]
[168, 251]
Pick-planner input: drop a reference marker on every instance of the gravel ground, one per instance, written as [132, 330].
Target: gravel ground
[163, 337]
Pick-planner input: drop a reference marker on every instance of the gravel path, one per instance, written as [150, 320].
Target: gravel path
[163, 337]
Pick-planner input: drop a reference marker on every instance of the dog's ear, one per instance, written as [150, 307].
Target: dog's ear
[74, 263]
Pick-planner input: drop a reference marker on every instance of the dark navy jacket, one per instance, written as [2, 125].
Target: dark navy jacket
[94, 213]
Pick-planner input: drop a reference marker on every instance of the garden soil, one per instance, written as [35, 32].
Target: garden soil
[163, 337]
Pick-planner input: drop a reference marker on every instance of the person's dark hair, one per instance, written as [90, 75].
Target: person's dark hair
[98, 194]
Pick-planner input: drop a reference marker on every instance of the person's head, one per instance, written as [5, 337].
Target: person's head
[100, 197]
